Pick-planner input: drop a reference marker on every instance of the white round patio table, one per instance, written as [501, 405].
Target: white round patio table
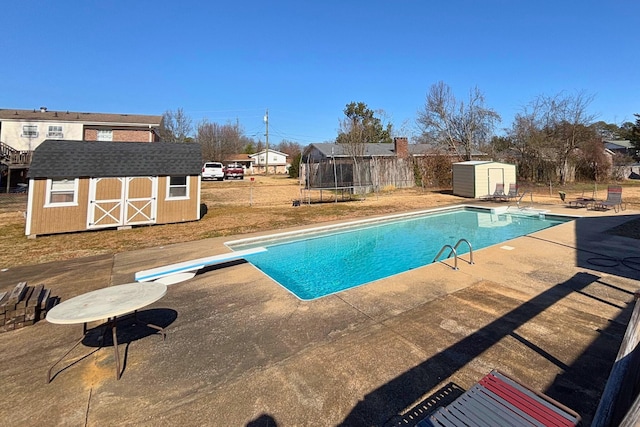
[106, 303]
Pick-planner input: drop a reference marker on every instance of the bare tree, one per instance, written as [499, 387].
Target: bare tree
[176, 126]
[219, 141]
[352, 136]
[554, 133]
[462, 126]
[289, 147]
[567, 125]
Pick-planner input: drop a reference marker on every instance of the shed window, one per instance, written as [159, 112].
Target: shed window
[62, 192]
[105, 135]
[178, 187]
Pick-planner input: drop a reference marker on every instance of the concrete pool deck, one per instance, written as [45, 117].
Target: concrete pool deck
[549, 309]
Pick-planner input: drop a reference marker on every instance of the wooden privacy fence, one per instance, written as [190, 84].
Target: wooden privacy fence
[360, 175]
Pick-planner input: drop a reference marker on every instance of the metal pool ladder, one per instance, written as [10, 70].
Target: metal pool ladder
[455, 253]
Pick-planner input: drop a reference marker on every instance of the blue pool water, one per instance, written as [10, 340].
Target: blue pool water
[323, 262]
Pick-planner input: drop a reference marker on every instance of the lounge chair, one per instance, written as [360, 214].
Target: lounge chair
[582, 201]
[498, 399]
[498, 194]
[614, 199]
[513, 191]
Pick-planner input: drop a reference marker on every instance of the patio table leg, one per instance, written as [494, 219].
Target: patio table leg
[115, 346]
[152, 326]
[84, 334]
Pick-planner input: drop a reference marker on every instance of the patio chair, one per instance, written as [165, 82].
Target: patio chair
[513, 191]
[614, 199]
[498, 194]
[498, 399]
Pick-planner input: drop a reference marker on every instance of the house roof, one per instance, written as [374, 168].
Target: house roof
[619, 144]
[270, 150]
[72, 116]
[67, 159]
[238, 157]
[329, 149]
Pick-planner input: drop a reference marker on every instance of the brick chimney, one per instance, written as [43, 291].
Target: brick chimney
[401, 145]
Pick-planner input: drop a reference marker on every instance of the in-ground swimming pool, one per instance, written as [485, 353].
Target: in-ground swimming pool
[323, 261]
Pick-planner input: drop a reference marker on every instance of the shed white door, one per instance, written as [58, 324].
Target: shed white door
[495, 176]
[115, 202]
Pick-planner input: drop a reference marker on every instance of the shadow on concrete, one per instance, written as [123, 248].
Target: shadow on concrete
[221, 265]
[384, 404]
[442, 397]
[600, 250]
[264, 420]
[131, 327]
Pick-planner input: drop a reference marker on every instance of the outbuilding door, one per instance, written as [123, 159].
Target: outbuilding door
[116, 202]
[494, 176]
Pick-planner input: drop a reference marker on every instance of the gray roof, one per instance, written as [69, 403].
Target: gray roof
[619, 144]
[329, 149]
[87, 118]
[71, 159]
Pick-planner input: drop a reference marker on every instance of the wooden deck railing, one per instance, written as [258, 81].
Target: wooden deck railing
[11, 156]
[619, 397]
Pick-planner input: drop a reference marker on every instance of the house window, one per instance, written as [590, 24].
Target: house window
[29, 131]
[178, 187]
[62, 192]
[55, 131]
[105, 135]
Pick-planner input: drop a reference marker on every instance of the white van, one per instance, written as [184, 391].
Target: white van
[212, 170]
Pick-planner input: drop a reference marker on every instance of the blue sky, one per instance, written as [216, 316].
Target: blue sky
[304, 61]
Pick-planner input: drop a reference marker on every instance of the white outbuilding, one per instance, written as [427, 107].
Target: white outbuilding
[478, 179]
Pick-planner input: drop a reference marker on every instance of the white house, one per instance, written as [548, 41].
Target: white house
[274, 160]
[22, 131]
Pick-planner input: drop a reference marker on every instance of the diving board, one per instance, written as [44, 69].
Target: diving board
[174, 273]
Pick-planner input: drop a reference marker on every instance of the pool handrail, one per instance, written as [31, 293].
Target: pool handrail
[470, 249]
[453, 251]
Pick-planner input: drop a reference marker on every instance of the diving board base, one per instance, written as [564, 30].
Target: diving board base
[182, 270]
[176, 278]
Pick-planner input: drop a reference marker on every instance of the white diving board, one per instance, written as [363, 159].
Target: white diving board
[174, 273]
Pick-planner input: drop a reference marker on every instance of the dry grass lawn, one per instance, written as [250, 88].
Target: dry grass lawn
[236, 207]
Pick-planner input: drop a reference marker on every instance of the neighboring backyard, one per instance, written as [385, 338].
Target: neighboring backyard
[237, 207]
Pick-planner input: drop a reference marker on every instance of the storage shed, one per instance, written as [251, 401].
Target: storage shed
[479, 178]
[81, 185]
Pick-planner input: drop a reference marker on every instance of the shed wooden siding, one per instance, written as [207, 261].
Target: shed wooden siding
[178, 210]
[58, 219]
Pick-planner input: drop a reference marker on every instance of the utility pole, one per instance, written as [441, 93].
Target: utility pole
[266, 153]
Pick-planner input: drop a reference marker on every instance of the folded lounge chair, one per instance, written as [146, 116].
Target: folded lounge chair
[614, 199]
[499, 400]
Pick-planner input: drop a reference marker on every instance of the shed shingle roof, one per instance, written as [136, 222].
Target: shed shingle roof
[70, 159]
